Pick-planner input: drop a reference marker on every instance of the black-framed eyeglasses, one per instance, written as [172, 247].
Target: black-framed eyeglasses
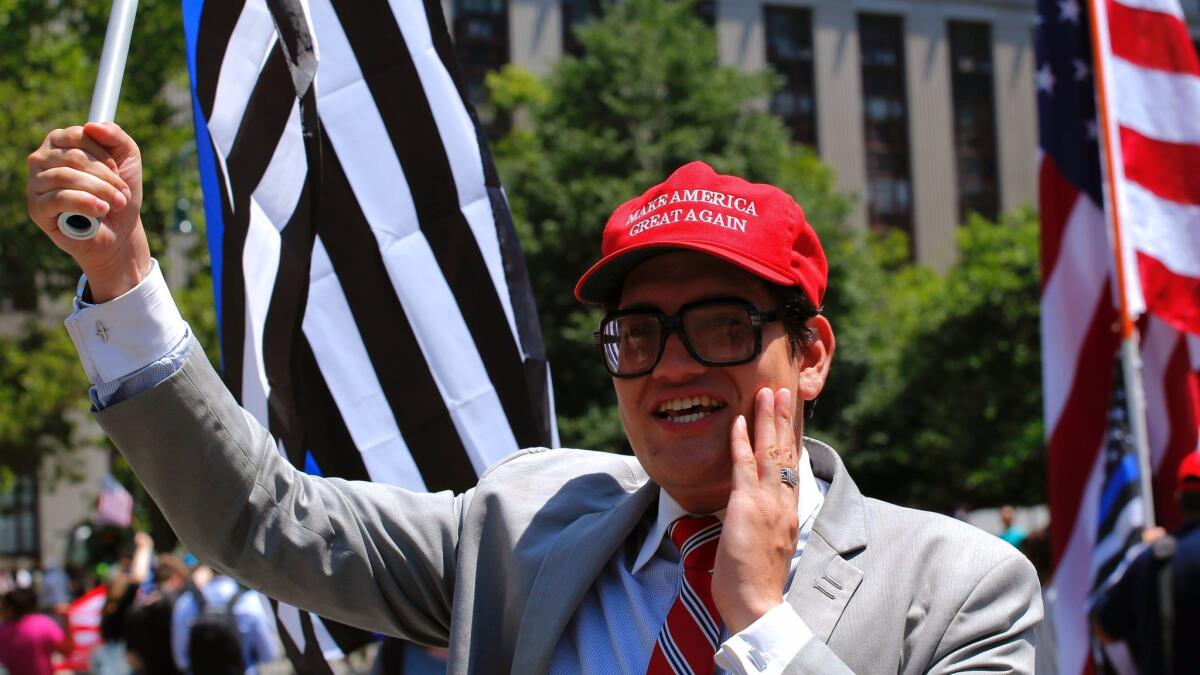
[719, 332]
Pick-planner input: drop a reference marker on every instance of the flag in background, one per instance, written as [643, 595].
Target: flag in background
[1079, 313]
[375, 311]
[114, 506]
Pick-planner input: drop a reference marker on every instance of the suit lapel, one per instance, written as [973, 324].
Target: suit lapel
[825, 579]
[823, 586]
[569, 569]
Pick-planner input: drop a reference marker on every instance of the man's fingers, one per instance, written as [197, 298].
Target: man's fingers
[745, 467]
[112, 138]
[46, 207]
[766, 447]
[71, 147]
[62, 177]
[785, 432]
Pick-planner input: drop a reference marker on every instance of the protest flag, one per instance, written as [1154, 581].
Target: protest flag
[1093, 216]
[374, 308]
[114, 506]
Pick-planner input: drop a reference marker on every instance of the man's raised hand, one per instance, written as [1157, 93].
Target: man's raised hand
[96, 170]
[758, 539]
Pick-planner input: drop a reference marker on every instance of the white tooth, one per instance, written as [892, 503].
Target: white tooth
[705, 400]
[679, 404]
[695, 401]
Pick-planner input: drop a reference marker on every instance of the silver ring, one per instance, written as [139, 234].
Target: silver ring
[789, 477]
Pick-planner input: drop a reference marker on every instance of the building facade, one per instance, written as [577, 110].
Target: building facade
[925, 110]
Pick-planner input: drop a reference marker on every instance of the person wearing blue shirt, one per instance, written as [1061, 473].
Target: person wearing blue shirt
[256, 631]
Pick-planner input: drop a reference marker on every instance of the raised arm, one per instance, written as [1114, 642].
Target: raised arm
[364, 554]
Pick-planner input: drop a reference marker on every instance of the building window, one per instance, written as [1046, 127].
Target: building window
[707, 11]
[974, 118]
[885, 122]
[790, 52]
[481, 42]
[19, 518]
[574, 13]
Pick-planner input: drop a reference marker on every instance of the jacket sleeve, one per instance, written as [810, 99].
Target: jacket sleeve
[365, 554]
[816, 658]
[993, 629]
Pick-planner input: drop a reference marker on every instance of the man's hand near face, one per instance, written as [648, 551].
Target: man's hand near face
[758, 540]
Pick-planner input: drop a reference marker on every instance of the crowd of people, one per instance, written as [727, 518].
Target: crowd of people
[157, 615]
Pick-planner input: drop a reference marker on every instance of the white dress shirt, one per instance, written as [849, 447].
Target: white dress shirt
[133, 342]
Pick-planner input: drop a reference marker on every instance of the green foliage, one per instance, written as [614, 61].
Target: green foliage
[49, 51]
[646, 97]
[40, 400]
[952, 411]
[933, 397]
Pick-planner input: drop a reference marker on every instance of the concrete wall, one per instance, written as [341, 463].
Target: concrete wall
[63, 504]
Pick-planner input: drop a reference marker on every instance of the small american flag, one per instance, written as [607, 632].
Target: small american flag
[115, 505]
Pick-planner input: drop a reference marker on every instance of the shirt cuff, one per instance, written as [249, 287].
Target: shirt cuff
[129, 332]
[766, 646]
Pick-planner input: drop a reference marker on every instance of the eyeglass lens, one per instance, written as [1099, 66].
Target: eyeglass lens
[720, 333]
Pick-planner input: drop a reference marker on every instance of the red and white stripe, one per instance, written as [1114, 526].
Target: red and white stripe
[1153, 94]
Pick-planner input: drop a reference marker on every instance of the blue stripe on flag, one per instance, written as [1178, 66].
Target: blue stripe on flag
[1125, 473]
[214, 223]
[310, 465]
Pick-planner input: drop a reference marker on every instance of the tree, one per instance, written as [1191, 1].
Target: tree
[933, 396]
[48, 58]
[952, 410]
[647, 96]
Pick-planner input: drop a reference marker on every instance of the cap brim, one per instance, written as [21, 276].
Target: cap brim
[604, 279]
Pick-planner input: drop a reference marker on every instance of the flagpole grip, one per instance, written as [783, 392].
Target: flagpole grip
[104, 98]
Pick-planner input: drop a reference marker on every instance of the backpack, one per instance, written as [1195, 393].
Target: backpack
[214, 647]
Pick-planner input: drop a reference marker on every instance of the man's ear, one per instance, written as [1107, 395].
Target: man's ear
[814, 357]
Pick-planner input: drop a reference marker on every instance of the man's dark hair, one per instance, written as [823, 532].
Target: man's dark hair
[796, 309]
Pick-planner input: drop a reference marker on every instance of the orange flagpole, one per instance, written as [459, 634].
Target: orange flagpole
[1130, 354]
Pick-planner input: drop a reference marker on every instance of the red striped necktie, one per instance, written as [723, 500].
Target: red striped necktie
[690, 635]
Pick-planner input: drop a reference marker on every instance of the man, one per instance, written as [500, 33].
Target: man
[148, 629]
[1155, 605]
[221, 597]
[723, 535]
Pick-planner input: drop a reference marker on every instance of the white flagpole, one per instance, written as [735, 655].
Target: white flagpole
[104, 98]
[1131, 361]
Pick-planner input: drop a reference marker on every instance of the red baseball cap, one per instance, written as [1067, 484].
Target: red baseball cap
[1187, 479]
[755, 226]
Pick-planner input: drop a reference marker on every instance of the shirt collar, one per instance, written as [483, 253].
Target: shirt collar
[669, 510]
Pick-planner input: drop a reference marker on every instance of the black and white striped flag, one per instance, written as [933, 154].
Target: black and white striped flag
[375, 311]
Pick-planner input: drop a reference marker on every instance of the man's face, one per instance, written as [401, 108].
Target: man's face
[690, 459]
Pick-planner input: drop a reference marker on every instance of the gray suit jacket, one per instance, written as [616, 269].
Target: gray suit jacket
[497, 572]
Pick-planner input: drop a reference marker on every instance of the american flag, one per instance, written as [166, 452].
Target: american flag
[1153, 91]
[114, 506]
[375, 311]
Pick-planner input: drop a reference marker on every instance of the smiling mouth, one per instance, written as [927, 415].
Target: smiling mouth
[688, 409]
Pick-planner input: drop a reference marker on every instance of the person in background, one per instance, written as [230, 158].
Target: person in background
[256, 630]
[1155, 605]
[1013, 534]
[109, 657]
[28, 639]
[148, 628]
